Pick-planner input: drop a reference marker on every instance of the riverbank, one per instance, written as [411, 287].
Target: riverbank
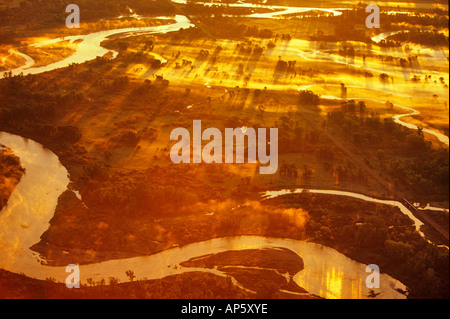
[10, 174]
[199, 286]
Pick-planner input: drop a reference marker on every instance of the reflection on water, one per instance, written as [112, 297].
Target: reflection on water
[334, 283]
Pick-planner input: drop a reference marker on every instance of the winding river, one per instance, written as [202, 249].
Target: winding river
[89, 46]
[26, 217]
[327, 272]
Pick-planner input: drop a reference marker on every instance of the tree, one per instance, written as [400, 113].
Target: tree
[397, 251]
[130, 275]
[122, 45]
[362, 107]
[266, 290]
[261, 109]
[156, 64]
[113, 281]
[308, 98]
[90, 282]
